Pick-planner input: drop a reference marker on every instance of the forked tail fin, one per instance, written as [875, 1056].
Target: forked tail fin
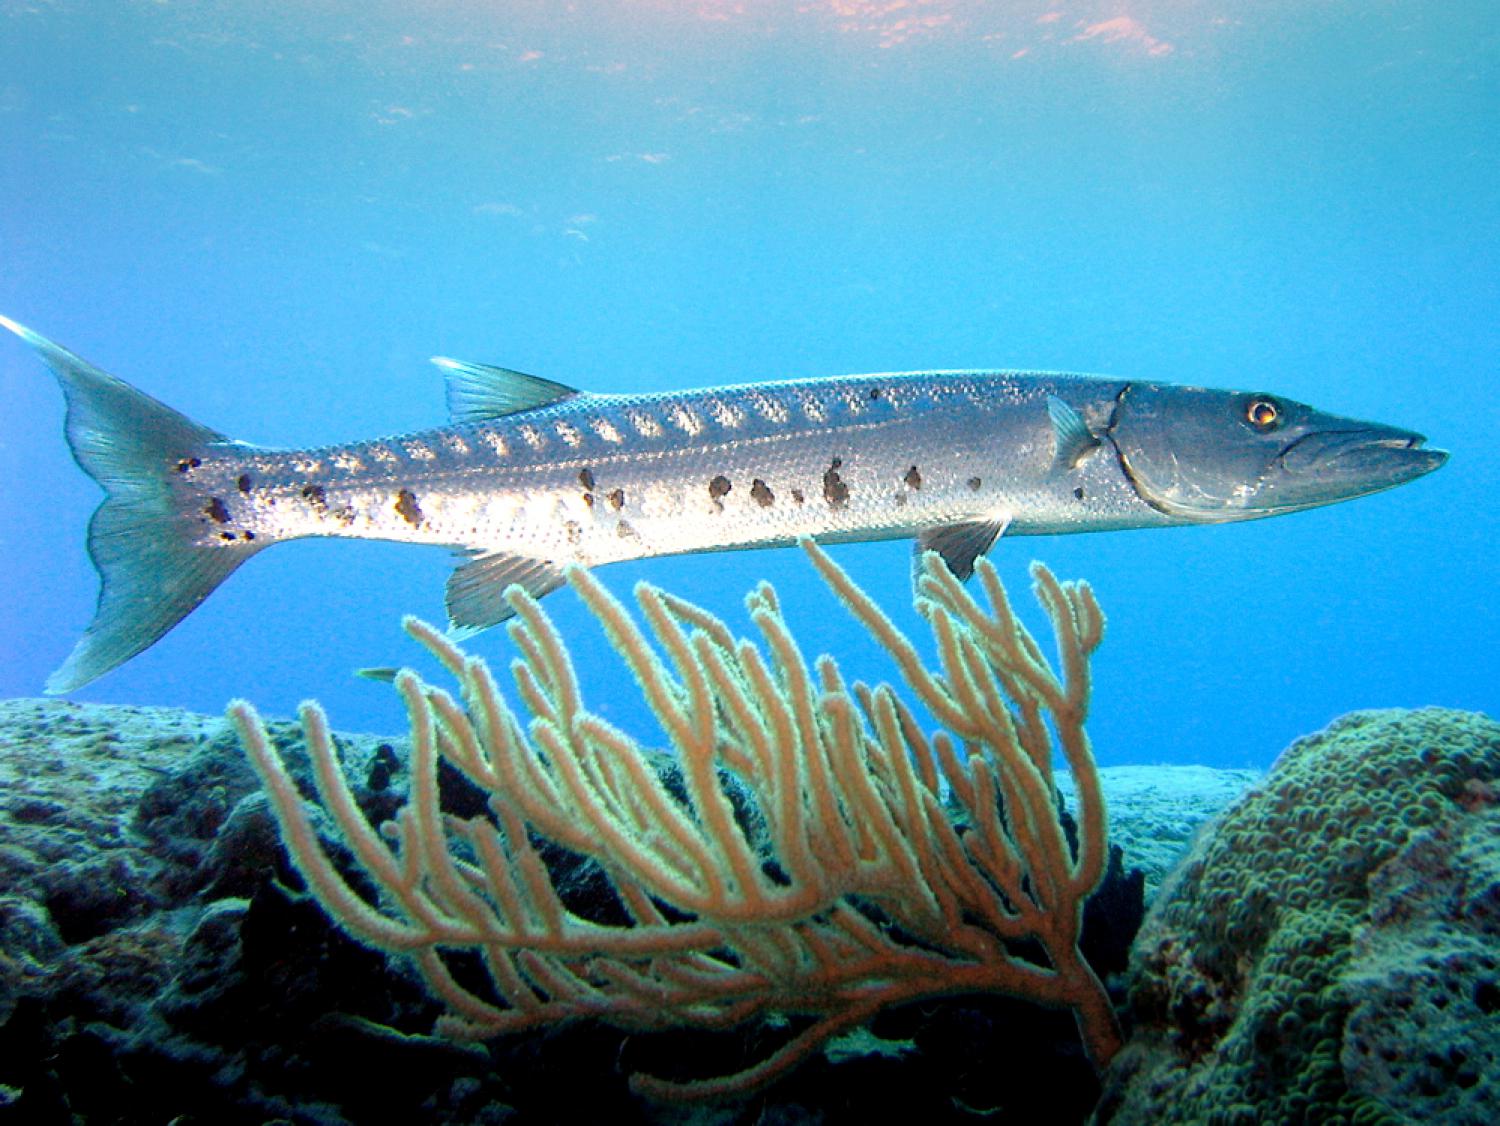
[151, 572]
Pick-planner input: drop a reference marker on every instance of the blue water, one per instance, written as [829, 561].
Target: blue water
[270, 215]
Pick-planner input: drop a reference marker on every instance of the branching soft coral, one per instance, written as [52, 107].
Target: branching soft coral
[878, 865]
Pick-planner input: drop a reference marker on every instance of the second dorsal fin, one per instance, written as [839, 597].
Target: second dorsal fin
[478, 392]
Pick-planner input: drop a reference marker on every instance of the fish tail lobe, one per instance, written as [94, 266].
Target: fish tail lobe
[152, 573]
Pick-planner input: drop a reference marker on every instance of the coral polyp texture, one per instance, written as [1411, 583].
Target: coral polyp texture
[1330, 952]
[815, 854]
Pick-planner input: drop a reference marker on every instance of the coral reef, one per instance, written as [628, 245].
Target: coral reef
[1330, 952]
[1423, 981]
[198, 984]
[149, 966]
[808, 866]
[215, 992]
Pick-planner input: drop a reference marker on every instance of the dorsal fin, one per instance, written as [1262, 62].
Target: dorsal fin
[478, 392]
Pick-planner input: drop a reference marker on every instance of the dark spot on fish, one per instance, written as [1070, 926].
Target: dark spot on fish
[216, 511]
[797, 497]
[408, 508]
[227, 536]
[249, 536]
[974, 483]
[617, 499]
[244, 482]
[574, 530]
[913, 479]
[187, 464]
[1078, 492]
[316, 494]
[835, 492]
[718, 486]
[900, 499]
[624, 530]
[875, 392]
[586, 478]
[588, 499]
[762, 493]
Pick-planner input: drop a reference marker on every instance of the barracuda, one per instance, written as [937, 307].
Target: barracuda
[533, 476]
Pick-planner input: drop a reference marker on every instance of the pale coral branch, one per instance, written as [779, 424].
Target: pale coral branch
[958, 849]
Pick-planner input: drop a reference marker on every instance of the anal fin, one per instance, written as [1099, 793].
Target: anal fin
[476, 589]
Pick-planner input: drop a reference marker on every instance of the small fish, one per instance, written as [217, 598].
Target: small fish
[534, 475]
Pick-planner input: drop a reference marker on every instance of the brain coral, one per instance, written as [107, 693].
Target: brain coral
[1330, 950]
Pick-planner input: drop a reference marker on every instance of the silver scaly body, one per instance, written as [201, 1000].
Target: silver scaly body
[597, 479]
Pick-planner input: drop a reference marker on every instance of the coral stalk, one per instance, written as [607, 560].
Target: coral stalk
[906, 865]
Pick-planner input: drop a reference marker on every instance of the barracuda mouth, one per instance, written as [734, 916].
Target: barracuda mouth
[1353, 463]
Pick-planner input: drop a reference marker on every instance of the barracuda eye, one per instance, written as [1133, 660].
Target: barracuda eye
[1263, 413]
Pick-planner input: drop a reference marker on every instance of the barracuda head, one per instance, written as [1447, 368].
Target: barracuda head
[1209, 456]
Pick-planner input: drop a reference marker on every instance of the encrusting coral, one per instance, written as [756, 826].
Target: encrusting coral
[821, 856]
[1330, 951]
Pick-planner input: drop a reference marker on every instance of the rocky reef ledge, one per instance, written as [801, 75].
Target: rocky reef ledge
[158, 963]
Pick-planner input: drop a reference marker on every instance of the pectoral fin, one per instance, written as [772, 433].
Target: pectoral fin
[959, 544]
[476, 590]
[1071, 435]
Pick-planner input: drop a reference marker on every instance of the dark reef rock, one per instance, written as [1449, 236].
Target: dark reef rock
[158, 963]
